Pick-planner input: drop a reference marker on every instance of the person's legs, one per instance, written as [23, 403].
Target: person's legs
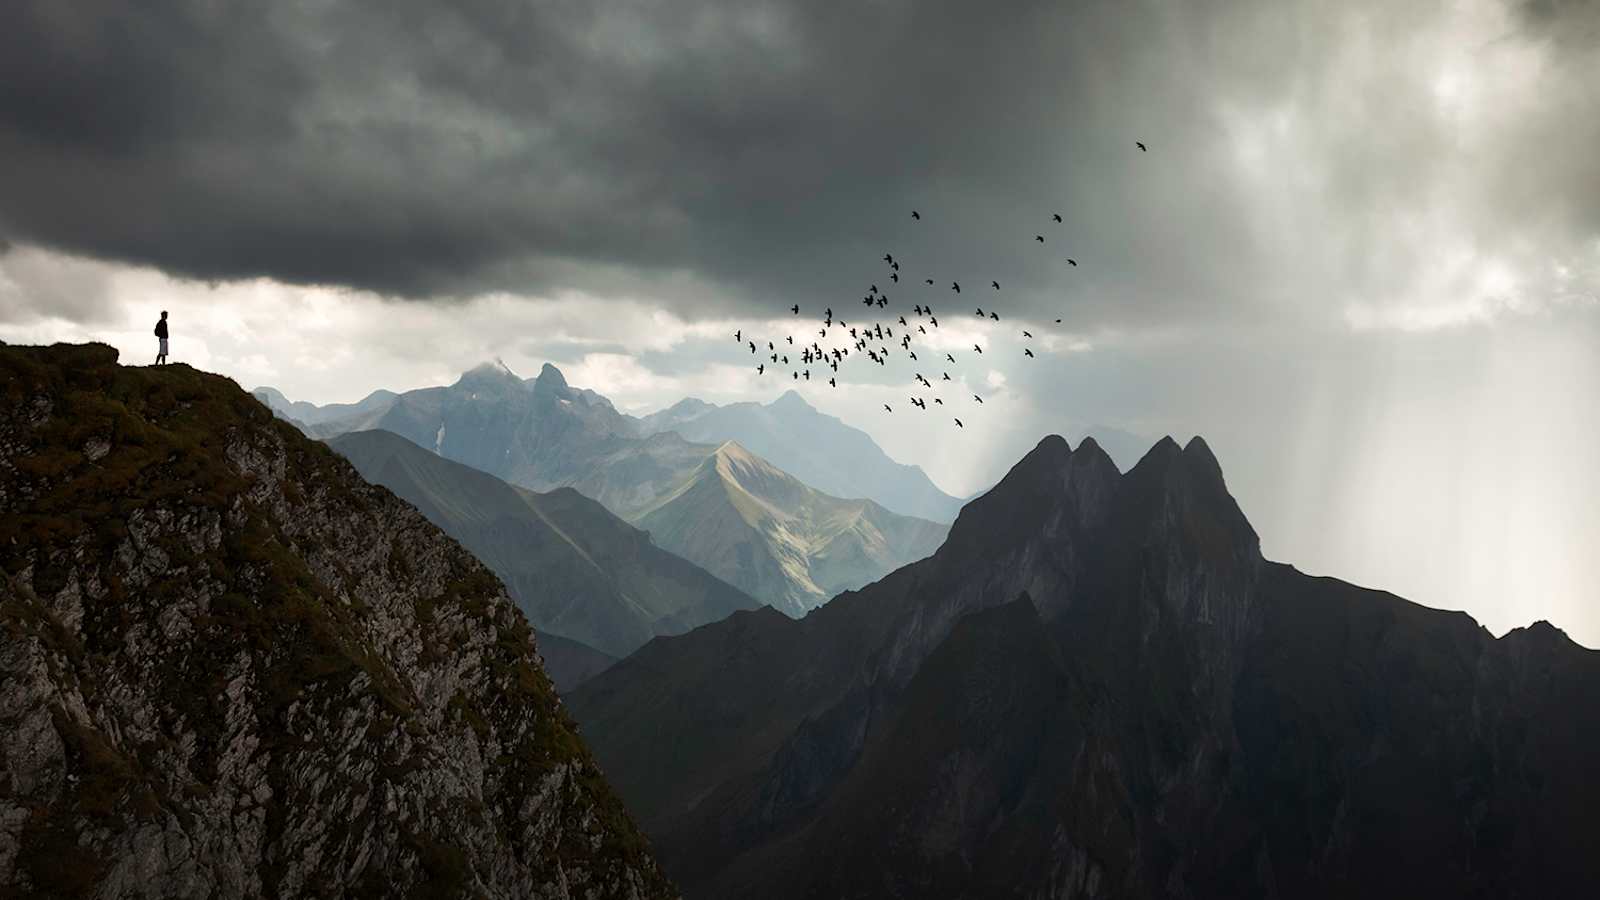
[161, 357]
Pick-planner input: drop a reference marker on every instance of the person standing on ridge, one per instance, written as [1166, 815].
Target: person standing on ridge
[161, 333]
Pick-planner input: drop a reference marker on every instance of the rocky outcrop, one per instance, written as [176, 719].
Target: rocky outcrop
[230, 667]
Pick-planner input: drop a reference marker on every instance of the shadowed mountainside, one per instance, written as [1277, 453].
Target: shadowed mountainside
[1097, 687]
[573, 568]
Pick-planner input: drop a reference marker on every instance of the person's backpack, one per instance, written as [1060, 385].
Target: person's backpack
[157, 331]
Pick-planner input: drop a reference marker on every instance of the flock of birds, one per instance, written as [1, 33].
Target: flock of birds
[873, 341]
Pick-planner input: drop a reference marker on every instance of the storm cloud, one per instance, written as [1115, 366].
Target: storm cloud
[1307, 160]
[1362, 255]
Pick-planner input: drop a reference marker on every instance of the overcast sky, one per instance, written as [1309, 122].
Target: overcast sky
[1362, 255]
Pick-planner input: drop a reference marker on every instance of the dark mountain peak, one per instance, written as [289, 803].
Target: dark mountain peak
[1540, 638]
[1159, 457]
[1049, 485]
[1090, 455]
[1190, 468]
[550, 379]
[1198, 456]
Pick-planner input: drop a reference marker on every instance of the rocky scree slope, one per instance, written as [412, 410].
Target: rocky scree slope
[230, 667]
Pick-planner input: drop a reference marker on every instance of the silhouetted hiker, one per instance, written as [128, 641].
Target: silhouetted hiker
[161, 333]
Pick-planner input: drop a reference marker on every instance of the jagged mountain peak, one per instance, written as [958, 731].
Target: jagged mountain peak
[550, 377]
[1051, 482]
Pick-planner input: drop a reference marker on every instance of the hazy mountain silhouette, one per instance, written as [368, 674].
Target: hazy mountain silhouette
[544, 434]
[1097, 687]
[818, 449]
[572, 567]
[309, 414]
[777, 539]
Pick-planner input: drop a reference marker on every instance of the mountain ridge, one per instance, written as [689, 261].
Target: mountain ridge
[1098, 687]
[574, 569]
[779, 540]
[820, 450]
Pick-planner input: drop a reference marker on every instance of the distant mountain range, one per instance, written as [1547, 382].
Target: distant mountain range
[818, 449]
[764, 531]
[574, 569]
[543, 434]
[1097, 687]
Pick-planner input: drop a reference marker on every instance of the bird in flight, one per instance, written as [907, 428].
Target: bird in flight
[977, 398]
[1057, 217]
[1072, 262]
[736, 336]
[791, 340]
[888, 257]
[977, 348]
[938, 401]
[886, 408]
[761, 368]
[1039, 238]
[934, 321]
[795, 309]
[752, 346]
[995, 316]
[959, 425]
[947, 376]
[979, 313]
[949, 357]
[929, 280]
[1026, 334]
[955, 286]
[915, 214]
[1141, 146]
[996, 285]
[832, 383]
[1027, 352]
[894, 276]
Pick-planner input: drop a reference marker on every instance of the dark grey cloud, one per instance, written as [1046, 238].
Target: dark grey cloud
[742, 156]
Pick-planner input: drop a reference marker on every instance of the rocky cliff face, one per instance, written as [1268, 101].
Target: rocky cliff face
[1098, 688]
[230, 667]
